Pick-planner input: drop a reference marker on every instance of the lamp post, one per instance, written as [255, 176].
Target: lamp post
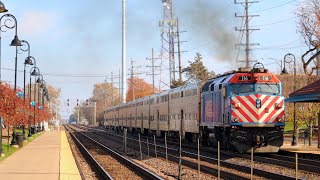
[284, 71]
[44, 91]
[28, 61]
[34, 73]
[15, 42]
[2, 10]
[39, 81]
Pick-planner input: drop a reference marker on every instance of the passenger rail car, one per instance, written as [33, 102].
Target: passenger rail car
[242, 109]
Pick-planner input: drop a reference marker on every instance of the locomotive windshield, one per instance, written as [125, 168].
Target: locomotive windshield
[268, 88]
[241, 88]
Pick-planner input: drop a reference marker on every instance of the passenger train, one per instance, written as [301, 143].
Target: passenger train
[242, 109]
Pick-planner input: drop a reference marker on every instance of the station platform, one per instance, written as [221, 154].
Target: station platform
[47, 157]
[302, 146]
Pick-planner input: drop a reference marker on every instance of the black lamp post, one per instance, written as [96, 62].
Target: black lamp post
[2, 10]
[34, 71]
[28, 61]
[284, 71]
[39, 81]
[15, 42]
[44, 93]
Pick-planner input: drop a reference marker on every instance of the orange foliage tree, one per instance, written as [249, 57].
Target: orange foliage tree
[141, 89]
[15, 110]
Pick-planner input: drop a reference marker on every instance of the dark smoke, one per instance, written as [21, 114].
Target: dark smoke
[208, 21]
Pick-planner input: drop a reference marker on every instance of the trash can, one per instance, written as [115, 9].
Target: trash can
[33, 130]
[19, 138]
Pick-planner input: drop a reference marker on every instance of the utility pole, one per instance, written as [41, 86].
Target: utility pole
[247, 29]
[179, 50]
[124, 83]
[105, 93]
[132, 82]
[152, 68]
[120, 98]
[132, 78]
[179, 53]
[112, 96]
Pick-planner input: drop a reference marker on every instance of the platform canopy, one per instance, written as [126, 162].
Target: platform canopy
[309, 93]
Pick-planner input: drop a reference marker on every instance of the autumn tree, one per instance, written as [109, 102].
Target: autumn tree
[105, 95]
[309, 27]
[196, 71]
[138, 88]
[54, 94]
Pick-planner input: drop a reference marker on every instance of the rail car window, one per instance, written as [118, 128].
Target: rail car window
[268, 88]
[241, 88]
[212, 87]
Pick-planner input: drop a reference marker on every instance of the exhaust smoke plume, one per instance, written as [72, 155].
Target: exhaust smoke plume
[208, 22]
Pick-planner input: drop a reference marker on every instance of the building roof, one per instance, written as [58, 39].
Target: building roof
[309, 93]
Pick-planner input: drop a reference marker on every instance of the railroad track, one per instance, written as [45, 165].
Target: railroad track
[191, 163]
[91, 148]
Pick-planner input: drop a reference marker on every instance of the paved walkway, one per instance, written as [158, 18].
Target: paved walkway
[41, 159]
[301, 149]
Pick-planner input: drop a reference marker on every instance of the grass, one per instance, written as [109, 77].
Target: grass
[288, 128]
[13, 149]
[6, 152]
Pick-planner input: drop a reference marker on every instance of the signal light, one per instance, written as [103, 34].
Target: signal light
[77, 102]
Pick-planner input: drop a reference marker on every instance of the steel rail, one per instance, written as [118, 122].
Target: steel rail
[206, 169]
[143, 172]
[87, 155]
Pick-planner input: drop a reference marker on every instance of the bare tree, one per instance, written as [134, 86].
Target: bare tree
[309, 27]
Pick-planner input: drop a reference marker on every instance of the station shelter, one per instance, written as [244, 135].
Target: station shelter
[310, 94]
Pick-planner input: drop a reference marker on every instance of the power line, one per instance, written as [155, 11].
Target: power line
[274, 6]
[277, 22]
[65, 75]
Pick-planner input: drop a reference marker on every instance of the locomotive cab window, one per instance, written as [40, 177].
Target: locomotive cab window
[268, 88]
[241, 88]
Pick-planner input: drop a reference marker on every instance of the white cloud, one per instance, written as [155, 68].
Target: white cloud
[34, 23]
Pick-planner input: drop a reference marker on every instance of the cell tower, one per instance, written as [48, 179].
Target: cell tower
[168, 36]
[247, 30]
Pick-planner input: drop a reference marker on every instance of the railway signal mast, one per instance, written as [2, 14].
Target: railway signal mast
[168, 36]
[247, 30]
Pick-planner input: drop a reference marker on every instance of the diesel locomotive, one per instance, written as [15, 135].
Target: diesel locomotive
[241, 109]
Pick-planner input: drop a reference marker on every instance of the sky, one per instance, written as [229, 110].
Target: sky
[78, 43]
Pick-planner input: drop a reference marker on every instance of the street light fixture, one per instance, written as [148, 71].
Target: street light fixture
[34, 71]
[2, 8]
[284, 71]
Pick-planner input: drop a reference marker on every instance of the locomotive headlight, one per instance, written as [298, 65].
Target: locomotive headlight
[281, 119]
[235, 120]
